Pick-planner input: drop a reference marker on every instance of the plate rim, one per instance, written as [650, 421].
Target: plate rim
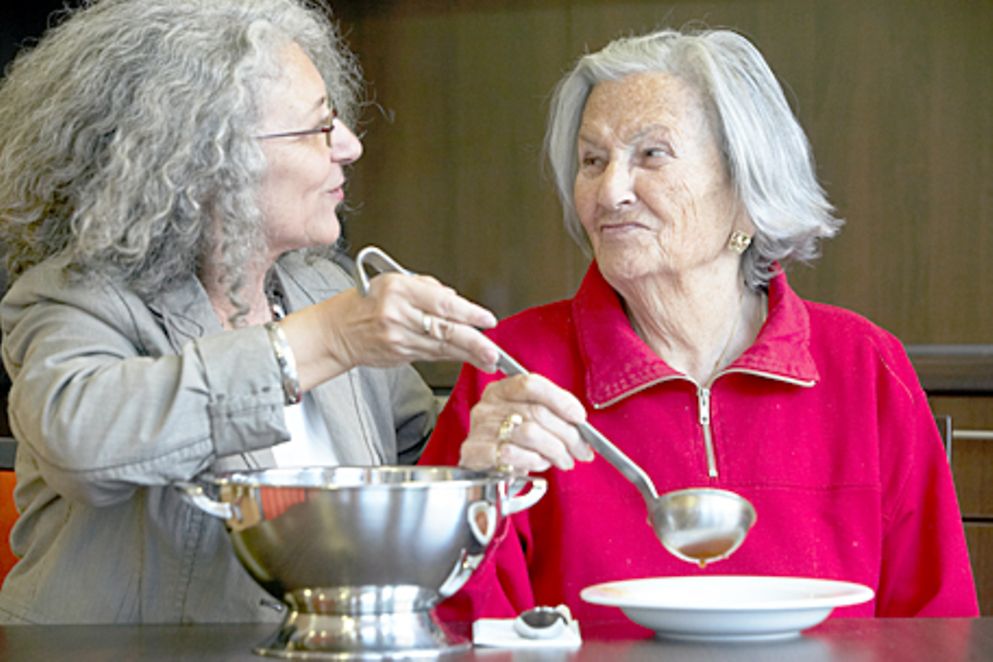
[855, 593]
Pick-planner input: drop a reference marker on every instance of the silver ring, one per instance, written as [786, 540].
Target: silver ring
[427, 323]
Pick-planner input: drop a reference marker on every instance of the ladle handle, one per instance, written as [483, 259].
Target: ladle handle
[619, 460]
[376, 257]
[614, 455]
[606, 448]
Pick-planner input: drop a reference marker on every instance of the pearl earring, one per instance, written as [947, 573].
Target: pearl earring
[739, 241]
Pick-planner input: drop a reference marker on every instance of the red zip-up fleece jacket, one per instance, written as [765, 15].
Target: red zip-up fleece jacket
[821, 424]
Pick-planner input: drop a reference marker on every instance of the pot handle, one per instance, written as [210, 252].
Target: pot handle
[195, 495]
[516, 502]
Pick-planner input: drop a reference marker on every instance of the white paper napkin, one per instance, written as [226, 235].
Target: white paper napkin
[499, 632]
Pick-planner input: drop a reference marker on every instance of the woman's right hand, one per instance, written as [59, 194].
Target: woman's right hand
[526, 423]
[403, 318]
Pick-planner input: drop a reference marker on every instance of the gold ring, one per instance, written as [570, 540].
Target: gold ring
[427, 323]
[507, 427]
[504, 433]
[502, 467]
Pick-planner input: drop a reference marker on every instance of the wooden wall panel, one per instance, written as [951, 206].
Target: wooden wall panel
[454, 185]
[902, 143]
[979, 537]
[894, 95]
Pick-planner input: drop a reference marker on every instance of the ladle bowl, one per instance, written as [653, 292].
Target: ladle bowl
[701, 525]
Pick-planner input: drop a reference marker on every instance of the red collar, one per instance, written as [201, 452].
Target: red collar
[619, 363]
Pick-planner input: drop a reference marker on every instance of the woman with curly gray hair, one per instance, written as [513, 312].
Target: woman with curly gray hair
[170, 177]
[681, 167]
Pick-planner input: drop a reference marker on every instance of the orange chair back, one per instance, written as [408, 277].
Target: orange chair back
[8, 515]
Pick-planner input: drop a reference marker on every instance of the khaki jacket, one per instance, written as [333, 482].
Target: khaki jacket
[115, 398]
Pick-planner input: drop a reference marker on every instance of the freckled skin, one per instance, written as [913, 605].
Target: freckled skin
[652, 190]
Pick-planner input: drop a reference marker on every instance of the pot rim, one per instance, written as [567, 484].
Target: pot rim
[354, 476]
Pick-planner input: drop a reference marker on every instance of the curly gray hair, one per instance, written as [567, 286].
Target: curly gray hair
[126, 134]
[764, 147]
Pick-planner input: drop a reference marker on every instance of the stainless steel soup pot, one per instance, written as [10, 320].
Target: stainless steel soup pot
[362, 554]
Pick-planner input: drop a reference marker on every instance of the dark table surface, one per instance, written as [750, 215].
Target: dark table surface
[859, 640]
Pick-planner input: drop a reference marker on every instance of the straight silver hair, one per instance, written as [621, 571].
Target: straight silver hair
[127, 135]
[765, 150]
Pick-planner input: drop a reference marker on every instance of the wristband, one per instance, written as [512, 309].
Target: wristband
[287, 364]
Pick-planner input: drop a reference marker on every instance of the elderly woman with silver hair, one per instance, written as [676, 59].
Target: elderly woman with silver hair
[170, 175]
[679, 163]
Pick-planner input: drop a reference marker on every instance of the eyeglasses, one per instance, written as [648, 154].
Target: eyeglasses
[326, 130]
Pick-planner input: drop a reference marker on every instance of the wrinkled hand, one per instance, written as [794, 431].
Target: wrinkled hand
[526, 423]
[403, 318]
[408, 318]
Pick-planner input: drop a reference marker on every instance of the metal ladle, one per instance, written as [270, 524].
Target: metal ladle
[698, 525]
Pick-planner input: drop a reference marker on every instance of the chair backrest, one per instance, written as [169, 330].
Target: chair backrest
[8, 515]
[8, 512]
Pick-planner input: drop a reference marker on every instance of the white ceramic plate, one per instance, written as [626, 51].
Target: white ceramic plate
[727, 607]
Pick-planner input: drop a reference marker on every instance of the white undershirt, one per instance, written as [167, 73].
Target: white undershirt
[310, 442]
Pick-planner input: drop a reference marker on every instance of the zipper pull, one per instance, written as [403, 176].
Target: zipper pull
[703, 402]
